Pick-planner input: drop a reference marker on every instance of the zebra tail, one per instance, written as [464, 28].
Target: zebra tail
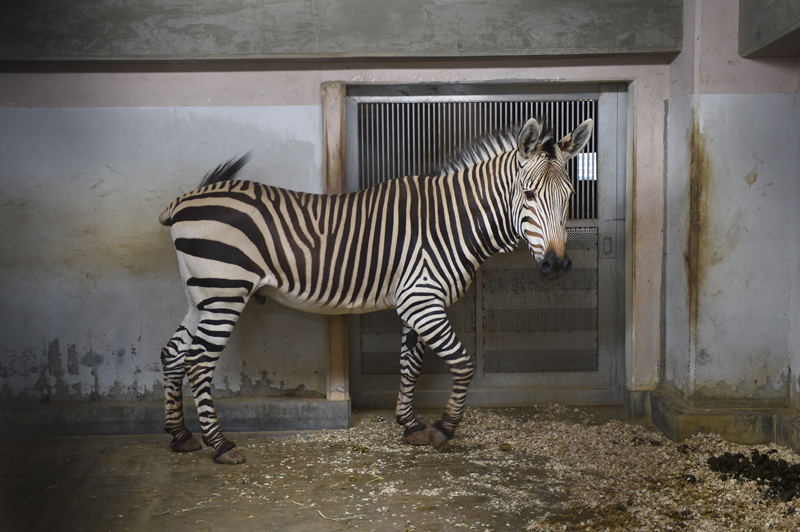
[224, 172]
[165, 218]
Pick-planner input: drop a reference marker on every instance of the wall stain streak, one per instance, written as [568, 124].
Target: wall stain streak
[696, 210]
[695, 258]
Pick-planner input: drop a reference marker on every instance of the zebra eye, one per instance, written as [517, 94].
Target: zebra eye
[530, 194]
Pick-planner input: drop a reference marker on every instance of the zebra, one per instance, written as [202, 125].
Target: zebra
[413, 243]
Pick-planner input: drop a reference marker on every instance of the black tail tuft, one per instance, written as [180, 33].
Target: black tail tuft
[225, 171]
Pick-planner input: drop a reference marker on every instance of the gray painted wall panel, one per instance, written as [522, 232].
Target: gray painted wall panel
[678, 369]
[729, 307]
[745, 266]
[313, 29]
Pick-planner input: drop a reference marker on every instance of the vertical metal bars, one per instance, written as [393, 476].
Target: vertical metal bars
[411, 138]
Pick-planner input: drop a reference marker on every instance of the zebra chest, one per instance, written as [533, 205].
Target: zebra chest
[431, 277]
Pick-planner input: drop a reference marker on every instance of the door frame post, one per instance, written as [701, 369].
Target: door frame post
[334, 160]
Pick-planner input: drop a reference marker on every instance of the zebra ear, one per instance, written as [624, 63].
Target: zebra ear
[527, 139]
[575, 141]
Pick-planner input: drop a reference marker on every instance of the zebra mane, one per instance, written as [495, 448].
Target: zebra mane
[225, 171]
[547, 141]
[491, 145]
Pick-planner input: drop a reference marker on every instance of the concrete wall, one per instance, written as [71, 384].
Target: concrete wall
[769, 28]
[731, 190]
[731, 196]
[312, 29]
[213, 115]
[90, 287]
[794, 302]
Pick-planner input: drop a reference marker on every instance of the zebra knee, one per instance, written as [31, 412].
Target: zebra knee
[169, 355]
[464, 369]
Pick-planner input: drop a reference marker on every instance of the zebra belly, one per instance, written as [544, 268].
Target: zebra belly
[320, 307]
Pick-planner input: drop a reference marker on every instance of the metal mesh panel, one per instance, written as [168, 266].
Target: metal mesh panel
[388, 363]
[543, 320]
[412, 138]
[518, 280]
[582, 238]
[539, 360]
[531, 325]
[381, 332]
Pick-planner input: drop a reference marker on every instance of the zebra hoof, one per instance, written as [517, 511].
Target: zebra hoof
[231, 456]
[417, 435]
[186, 445]
[439, 436]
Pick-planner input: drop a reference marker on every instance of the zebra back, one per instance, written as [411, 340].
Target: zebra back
[350, 252]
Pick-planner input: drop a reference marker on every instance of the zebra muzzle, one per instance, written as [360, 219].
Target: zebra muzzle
[552, 267]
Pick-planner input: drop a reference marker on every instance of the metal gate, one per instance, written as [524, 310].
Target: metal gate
[533, 341]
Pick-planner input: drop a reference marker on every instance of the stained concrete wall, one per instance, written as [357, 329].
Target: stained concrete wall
[731, 195]
[311, 29]
[731, 200]
[90, 285]
[118, 111]
[794, 302]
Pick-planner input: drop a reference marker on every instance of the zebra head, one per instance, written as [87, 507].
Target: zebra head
[543, 191]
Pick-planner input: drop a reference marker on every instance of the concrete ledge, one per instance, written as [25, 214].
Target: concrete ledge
[678, 421]
[332, 29]
[787, 429]
[82, 419]
[636, 404]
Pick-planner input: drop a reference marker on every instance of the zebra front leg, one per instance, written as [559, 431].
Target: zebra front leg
[172, 360]
[411, 353]
[462, 368]
[428, 318]
[212, 335]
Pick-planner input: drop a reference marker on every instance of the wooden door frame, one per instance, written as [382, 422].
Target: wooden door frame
[334, 168]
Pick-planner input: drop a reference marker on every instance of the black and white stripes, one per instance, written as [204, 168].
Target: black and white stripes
[413, 244]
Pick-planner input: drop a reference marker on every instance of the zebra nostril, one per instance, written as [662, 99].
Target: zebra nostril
[567, 264]
[544, 267]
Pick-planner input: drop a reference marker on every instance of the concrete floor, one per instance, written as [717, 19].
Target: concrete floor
[135, 483]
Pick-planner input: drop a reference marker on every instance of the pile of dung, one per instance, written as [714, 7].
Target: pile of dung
[778, 478]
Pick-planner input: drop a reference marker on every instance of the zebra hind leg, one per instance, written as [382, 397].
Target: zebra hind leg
[216, 324]
[172, 360]
[411, 353]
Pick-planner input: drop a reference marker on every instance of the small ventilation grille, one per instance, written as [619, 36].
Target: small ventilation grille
[412, 138]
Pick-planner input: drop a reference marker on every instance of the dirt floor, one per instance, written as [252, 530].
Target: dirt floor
[546, 468]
